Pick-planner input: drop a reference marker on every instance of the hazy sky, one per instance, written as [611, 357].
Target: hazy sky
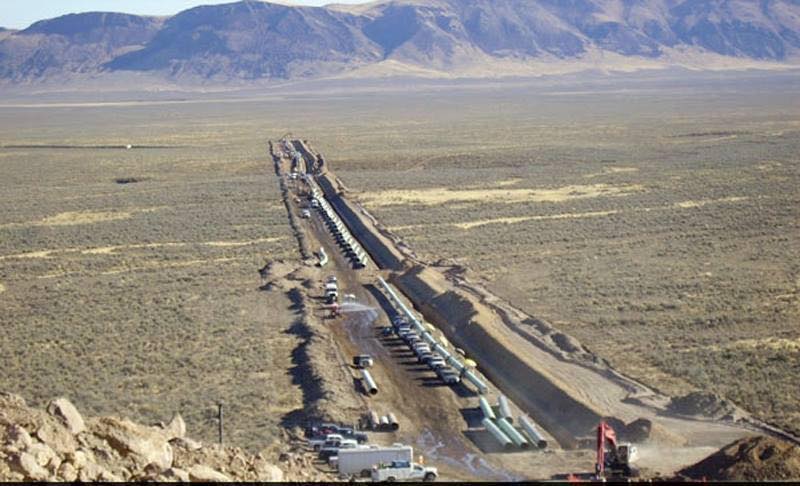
[18, 14]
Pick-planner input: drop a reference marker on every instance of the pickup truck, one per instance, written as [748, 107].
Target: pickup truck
[332, 448]
[403, 471]
[321, 433]
[319, 441]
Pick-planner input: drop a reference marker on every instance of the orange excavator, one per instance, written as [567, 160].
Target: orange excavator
[613, 459]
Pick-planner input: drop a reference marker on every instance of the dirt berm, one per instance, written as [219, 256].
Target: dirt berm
[382, 251]
[749, 459]
[472, 326]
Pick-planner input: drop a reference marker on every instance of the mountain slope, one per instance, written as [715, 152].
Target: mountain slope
[258, 40]
[252, 40]
[74, 43]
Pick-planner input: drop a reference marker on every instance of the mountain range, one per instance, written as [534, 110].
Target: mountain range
[254, 40]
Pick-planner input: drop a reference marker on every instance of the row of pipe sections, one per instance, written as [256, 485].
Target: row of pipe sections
[349, 245]
[465, 373]
[383, 422]
[499, 425]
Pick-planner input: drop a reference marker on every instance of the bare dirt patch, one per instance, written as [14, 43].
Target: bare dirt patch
[522, 219]
[83, 217]
[443, 195]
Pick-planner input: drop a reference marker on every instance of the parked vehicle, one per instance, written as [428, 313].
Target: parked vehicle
[314, 203]
[305, 214]
[361, 461]
[403, 471]
[332, 448]
[424, 356]
[387, 331]
[363, 361]
[319, 441]
[320, 432]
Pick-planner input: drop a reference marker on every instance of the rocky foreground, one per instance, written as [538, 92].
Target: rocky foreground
[58, 444]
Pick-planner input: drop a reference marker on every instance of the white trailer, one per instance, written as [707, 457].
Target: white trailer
[360, 461]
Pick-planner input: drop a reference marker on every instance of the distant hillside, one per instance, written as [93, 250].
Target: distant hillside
[257, 40]
[72, 44]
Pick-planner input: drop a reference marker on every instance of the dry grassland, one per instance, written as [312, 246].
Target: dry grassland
[656, 221]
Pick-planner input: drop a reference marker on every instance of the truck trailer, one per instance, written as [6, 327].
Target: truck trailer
[360, 462]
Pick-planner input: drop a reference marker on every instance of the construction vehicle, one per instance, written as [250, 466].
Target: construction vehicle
[359, 462]
[613, 459]
[362, 361]
[403, 471]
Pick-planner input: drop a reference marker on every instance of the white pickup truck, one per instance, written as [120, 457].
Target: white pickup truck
[403, 471]
[319, 442]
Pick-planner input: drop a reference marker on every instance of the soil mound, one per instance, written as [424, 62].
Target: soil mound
[749, 459]
[702, 403]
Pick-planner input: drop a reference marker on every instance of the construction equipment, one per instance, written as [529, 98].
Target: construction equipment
[613, 459]
[363, 361]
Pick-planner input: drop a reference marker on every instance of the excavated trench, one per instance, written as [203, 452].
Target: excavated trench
[473, 327]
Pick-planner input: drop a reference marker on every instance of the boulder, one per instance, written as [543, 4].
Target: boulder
[17, 438]
[144, 445]
[42, 453]
[204, 474]
[77, 458]
[64, 410]
[27, 465]
[59, 438]
[67, 472]
[187, 444]
[269, 472]
[176, 429]
[175, 474]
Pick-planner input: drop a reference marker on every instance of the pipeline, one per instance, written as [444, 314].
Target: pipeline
[400, 304]
[374, 420]
[497, 433]
[442, 352]
[472, 378]
[504, 408]
[369, 383]
[393, 423]
[531, 432]
[452, 361]
[486, 408]
[513, 434]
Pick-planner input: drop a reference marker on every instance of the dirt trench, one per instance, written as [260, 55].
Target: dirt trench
[473, 327]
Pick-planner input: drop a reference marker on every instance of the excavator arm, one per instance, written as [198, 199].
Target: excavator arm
[606, 444]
